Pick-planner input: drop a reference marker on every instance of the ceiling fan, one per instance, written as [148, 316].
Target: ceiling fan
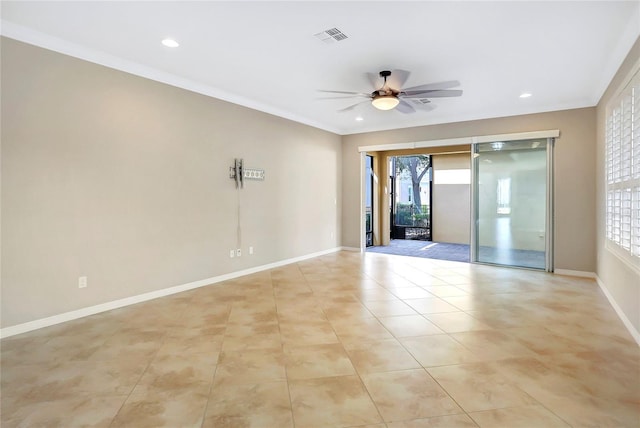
[391, 96]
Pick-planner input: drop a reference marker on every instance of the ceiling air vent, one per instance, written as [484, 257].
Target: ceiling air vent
[421, 101]
[331, 35]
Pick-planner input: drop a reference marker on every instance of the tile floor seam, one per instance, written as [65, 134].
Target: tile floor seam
[206, 406]
[356, 372]
[537, 403]
[136, 384]
[447, 392]
[286, 373]
[532, 360]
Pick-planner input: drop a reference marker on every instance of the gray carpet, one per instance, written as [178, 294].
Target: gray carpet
[460, 253]
[426, 249]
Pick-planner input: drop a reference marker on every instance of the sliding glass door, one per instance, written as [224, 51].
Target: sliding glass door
[512, 203]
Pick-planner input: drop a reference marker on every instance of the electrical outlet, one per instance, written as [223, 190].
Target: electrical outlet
[250, 250]
[82, 282]
[232, 253]
[239, 252]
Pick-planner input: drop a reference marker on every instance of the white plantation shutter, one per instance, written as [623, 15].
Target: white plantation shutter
[622, 164]
[610, 215]
[625, 220]
[636, 129]
[635, 226]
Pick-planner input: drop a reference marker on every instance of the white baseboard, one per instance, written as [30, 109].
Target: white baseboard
[623, 317]
[355, 249]
[115, 304]
[578, 273]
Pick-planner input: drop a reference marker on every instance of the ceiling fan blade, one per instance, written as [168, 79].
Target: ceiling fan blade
[374, 80]
[432, 93]
[405, 107]
[434, 86]
[345, 92]
[344, 97]
[351, 107]
[397, 79]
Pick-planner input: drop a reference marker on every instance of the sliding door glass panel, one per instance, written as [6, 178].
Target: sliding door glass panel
[511, 186]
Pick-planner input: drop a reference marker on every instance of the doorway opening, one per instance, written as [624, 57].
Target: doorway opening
[423, 188]
[369, 197]
[410, 197]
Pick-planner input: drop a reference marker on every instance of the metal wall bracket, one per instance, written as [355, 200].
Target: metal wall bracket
[236, 173]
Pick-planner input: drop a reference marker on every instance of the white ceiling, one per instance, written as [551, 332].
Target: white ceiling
[264, 54]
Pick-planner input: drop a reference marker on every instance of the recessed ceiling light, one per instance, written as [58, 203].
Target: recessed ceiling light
[359, 119]
[525, 95]
[170, 43]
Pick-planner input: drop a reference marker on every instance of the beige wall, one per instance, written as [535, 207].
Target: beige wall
[451, 207]
[622, 282]
[125, 181]
[574, 186]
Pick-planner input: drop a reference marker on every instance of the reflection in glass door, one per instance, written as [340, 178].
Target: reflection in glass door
[512, 198]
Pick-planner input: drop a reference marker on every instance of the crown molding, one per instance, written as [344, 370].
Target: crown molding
[36, 38]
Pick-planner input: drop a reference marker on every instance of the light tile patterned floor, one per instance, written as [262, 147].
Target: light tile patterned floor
[342, 340]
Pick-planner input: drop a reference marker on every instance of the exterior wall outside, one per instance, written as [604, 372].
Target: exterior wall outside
[451, 202]
[621, 281]
[126, 181]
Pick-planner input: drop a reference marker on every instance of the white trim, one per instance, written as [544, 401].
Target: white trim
[616, 58]
[353, 249]
[445, 142]
[363, 209]
[552, 133]
[115, 304]
[384, 147]
[417, 144]
[578, 273]
[36, 38]
[625, 82]
[623, 317]
[632, 262]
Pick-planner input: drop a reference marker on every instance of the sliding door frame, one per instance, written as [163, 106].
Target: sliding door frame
[549, 209]
[550, 135]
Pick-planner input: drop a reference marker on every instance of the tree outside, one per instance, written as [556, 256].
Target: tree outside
[414, 167]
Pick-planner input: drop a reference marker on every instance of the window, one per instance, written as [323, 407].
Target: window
[623, 173]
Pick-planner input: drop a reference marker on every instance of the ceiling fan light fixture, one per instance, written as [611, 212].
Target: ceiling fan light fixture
[385, 102]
